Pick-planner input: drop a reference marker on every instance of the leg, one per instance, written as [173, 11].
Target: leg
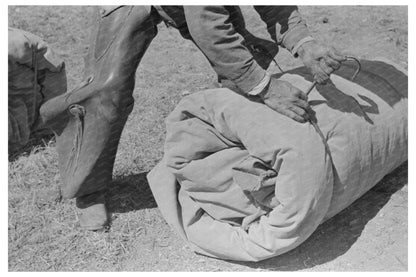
[88, 121]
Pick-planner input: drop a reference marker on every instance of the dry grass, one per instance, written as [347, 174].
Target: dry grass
[43, 231]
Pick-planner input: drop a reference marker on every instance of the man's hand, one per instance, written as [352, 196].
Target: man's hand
[320, 59]
[284, 98]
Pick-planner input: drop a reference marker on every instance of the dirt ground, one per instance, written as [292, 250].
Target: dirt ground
[43, 233]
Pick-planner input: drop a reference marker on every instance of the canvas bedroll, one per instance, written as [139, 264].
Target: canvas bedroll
[239, 181]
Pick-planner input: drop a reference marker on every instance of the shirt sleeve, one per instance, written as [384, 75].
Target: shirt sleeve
[213, 32]
[285, 24]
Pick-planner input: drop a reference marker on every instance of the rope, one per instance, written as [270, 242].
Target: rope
[251, 218]
[313, 123]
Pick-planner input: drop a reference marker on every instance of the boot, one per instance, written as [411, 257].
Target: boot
[88, 121]
[93, 214]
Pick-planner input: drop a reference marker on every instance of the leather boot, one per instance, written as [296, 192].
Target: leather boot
[88, 121]
[93, 214]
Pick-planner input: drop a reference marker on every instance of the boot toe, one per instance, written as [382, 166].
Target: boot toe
[93, 218]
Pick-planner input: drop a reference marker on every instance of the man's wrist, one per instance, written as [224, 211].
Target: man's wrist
[297, 49]
[263, 95]
[260, 86]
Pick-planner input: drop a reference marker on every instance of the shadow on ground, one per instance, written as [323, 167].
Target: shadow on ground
[130, 193]
[336, 236]
[331, 240]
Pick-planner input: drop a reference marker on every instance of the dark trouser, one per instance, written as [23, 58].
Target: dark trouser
[88, 121]
[88, 135]
[120, 40]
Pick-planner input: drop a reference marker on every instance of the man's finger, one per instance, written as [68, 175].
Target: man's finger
[300, 112]
[335, 55]
[325, 68]
[301, 103]
[334, 64]
[291, 114]
[320, 76]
